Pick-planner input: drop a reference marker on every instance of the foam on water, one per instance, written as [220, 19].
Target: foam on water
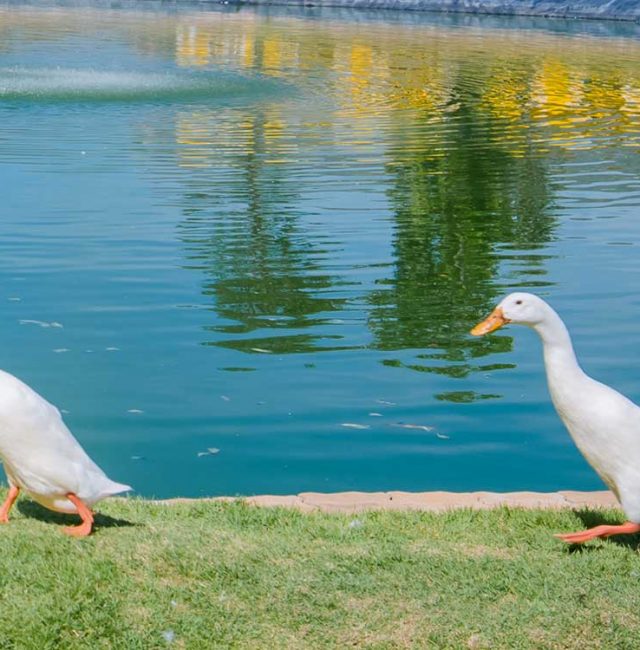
[71, 84]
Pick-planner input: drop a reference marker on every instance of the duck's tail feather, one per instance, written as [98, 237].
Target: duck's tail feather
[112, 488]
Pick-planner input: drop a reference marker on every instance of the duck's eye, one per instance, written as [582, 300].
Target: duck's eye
[518, 302]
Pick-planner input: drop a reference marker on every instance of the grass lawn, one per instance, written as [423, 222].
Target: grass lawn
[205, 575]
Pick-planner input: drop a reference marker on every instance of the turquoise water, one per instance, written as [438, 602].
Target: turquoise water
[242, 249]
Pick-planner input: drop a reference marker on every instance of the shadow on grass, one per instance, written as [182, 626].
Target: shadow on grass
[35, 511]
[592, 518]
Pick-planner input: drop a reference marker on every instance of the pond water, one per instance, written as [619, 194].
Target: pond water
[242, 249]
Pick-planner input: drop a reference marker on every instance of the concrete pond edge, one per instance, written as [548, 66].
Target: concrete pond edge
[353, 502]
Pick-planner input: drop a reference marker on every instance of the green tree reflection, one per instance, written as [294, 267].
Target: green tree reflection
[470, 198]
[264, 273]
[459, 216]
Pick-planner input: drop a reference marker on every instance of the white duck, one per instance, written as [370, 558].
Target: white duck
[604, 424]
[41, 456]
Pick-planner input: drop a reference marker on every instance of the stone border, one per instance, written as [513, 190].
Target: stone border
[603, 10]
[352, 502]
[591, 9]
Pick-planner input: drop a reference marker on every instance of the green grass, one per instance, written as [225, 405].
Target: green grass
[205, 575]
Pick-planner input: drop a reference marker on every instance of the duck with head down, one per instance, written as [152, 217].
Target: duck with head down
[604, 424]
[42, 457]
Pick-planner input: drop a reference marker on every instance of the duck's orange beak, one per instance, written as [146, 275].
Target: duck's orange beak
[492, 322]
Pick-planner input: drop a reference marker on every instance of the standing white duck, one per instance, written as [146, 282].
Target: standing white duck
[41, 456]
[604, 424]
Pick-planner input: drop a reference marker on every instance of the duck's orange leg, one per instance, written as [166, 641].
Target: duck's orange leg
[8, 503]
[86, 515]
[599, 531]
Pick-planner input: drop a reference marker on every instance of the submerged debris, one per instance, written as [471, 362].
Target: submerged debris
[211, 451]
[422, 427]
[41, 323]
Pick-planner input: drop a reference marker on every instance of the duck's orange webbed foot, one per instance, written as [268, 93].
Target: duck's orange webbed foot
[86, 515]
[8, 503]
[599, 532]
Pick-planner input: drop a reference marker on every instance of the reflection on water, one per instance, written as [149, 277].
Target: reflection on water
[460, 176]
[71, 85]
[450, 213]
[263, 273]
[290, 223]
[464, 396]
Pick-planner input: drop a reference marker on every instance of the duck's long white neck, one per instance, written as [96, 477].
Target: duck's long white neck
[560, 359]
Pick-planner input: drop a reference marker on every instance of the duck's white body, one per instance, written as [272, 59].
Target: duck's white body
[40, 454]
[604, 424]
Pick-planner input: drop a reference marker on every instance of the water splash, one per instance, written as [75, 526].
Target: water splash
[72, 85]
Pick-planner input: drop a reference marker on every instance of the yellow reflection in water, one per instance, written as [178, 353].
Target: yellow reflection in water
[553, 83]
[572, 91]
[556, 92]
[192, 46]
[506, 93]
[202, 138]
